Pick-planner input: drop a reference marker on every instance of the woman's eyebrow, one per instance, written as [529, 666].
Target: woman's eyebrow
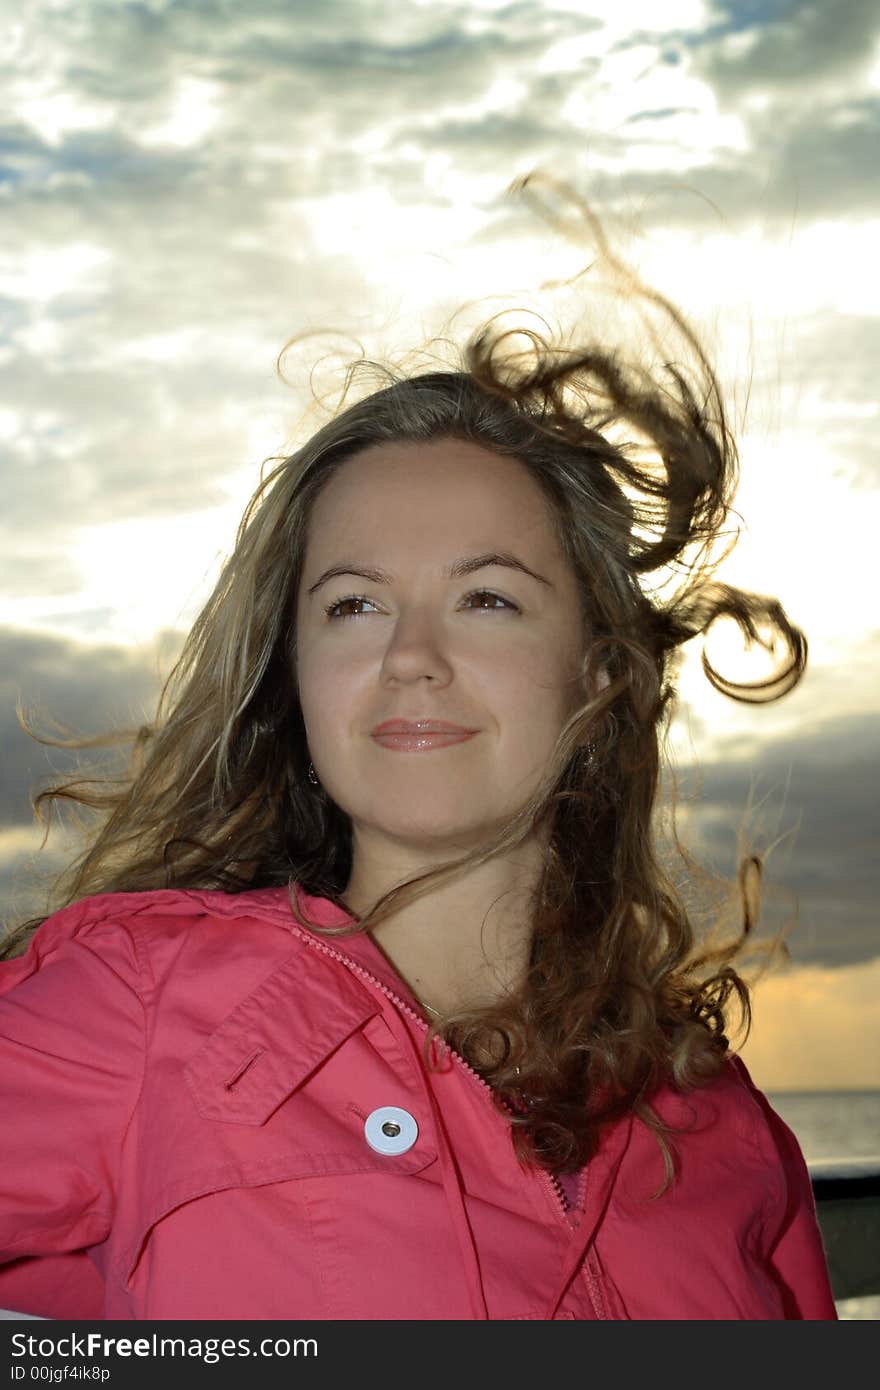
[466, 564]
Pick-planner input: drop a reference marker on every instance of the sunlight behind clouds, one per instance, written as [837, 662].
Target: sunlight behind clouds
[674, 125]
[792, 497]
[55, 113]
[194, 111]
[150, 568]
[624, 16]
[40, 275]
[802, 1038]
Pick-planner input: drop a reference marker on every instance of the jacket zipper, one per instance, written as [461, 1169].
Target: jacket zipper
[549, 1178]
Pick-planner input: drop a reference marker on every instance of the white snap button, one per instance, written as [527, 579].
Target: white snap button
[390, 1130]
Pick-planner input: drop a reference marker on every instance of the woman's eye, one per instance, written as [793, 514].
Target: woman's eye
[487, 593]
[334, 610]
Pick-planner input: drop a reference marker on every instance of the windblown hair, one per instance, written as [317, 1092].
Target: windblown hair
[619, 996]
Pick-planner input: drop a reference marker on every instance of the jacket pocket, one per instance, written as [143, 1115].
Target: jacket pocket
[284, 1168]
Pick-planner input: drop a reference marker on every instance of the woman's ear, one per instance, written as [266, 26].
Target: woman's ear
[600, 680]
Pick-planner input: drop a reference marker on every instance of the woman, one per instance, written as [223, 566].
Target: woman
[370, 998]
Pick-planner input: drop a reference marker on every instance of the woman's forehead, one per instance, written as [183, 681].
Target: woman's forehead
[434, 485]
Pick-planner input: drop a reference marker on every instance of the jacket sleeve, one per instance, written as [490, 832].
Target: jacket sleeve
[795, 1251]
[71, 1065]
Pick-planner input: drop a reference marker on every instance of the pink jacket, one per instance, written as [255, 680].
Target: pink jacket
[211, 1112]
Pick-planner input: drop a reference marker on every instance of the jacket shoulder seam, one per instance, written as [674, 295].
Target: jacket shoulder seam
[763, 1146]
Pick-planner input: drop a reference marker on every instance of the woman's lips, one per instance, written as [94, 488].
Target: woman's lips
[421, 742]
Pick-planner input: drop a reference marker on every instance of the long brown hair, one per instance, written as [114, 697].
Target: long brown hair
[619, 995]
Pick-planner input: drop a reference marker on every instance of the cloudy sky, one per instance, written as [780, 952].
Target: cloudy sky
[184, 186]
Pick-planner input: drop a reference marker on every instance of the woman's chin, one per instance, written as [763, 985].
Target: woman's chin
[446, 835]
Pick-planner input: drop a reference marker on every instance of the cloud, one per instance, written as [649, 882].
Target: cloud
[835, 355]
[87, 689]
[151, 443]
[795, 44]
[794, 164]
[339, 61]
[27, 872]
[816, 793]
[796, 74]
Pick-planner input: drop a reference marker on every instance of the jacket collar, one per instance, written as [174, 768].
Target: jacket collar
[276, 1037]
[361, 947]
[265, 1048]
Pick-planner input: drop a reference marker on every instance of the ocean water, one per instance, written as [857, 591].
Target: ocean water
[832, 1124]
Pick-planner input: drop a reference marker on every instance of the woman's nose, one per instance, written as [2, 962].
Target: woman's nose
[417, 647]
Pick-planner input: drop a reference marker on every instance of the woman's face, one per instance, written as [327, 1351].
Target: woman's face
[495, 650]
